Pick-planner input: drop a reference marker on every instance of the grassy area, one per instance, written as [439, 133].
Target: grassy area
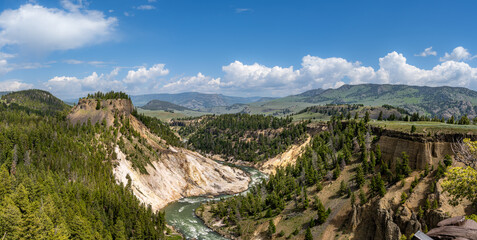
[312, 116]
[166, 116]
[174, 237]
[425, 127]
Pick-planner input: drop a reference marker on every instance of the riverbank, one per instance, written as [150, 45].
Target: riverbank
[203, 212]
[181, 214]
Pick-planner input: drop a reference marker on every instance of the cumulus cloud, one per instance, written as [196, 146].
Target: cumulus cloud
[427, 52]
[198, 83]
[47, 29]
[143, 74]
[14, 85]
[238, 74]
[257, 79]
[458, 54]
[316, 72]
[64, 86]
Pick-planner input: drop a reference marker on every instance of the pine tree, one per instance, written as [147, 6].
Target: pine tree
[380, 117]
[366, 117]
[362, 197]
[271, 228]
[378, 154]
[322, 213]
[308, 235]
[359, 176]
[10, 219]
[5, 181]
[353, 199]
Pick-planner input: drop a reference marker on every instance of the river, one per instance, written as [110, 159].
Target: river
[181, 214]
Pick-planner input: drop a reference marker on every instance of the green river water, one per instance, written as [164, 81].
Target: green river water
[181, 214]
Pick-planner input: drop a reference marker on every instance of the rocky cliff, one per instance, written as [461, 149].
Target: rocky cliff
[86, 109]
[156, 172]
[422, 149]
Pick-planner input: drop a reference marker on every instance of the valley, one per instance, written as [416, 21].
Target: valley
[240, 120]
[334, 171]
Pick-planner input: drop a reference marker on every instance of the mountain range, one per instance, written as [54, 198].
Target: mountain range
[163, 105]
[193, 100]
[434, 101]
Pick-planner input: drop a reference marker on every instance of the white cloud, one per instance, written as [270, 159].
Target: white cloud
[47, 29]
[14, 85]
[4, 66]
[73, 7]
[242, 10]
[64, 86]
[458, 54]
[239, 75]
[316, 72]
[199, 83]
[427, 52]
[260, 80]
[75, 62]
[143, 75]
[146, 7]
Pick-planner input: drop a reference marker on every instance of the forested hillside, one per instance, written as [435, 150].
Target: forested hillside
[244, 137]
[56, 178]
[343, 175]
[292, 191]
[34, 100]
[435, 101]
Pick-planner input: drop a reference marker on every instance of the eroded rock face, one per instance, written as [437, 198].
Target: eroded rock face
[86, 110]
[385, 227]
[422, 149]
[180, 173]
[420, 153]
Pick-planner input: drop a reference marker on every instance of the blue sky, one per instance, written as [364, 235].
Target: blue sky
[241, 48]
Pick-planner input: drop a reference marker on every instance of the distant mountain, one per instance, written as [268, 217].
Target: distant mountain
[193, 100]
[265, 99]
[440, 101]
[36, 100]
[163, 105]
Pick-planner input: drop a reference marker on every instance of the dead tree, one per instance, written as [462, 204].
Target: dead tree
[463, 153]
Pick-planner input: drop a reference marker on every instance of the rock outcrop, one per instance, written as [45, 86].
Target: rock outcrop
[86, 110]
[422, 149]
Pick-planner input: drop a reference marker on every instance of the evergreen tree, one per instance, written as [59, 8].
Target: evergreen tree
[380, 117]
[366, 117]
[322, 213]
[271, 228]
[98, 104]
[451, 120]
[308, 235]
[362, 197]
[359, 178]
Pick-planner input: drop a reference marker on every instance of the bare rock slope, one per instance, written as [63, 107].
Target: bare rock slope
[170, 173]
